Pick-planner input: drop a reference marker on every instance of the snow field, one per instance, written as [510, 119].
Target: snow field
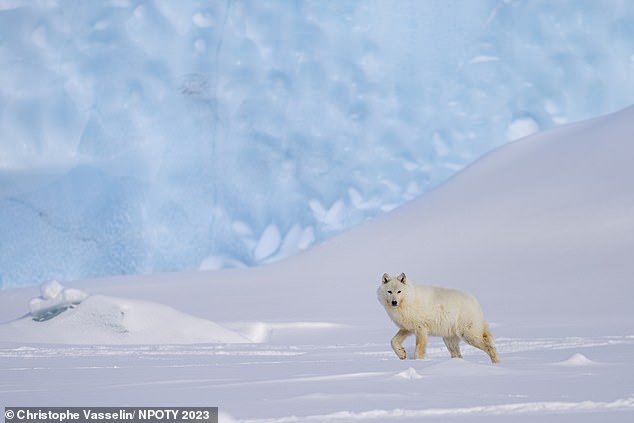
[339, 382]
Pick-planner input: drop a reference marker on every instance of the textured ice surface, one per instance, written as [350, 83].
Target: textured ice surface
[154, 136]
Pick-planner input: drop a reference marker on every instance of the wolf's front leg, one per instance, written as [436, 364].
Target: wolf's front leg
[397, 343]
[421, 343]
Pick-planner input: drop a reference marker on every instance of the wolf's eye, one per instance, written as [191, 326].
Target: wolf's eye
[398, 292]
[389, 292]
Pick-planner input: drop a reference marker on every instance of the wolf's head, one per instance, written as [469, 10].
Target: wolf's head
[392, 290]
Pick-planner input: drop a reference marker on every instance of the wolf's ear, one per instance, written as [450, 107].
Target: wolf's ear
[386, 278]
[402, 278]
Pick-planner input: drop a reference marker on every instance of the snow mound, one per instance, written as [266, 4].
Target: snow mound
[409, 374]
[577, 360]
[110, 320]
[54, 300]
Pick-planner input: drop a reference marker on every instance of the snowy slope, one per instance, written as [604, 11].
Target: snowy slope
[541, 231]
[552, 211]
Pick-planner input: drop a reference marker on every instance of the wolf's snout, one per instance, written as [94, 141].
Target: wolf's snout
[394, 303]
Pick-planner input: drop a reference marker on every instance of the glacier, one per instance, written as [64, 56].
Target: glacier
[140, 136]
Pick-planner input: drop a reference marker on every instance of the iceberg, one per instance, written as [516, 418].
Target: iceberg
[140, 137]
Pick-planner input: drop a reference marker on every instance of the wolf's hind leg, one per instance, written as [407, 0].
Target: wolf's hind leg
[484, 343]
[453, 345]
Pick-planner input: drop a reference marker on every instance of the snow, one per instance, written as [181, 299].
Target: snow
[540, 231]
[494, 410]
[410, 374]
[577, 360]
[140, 136]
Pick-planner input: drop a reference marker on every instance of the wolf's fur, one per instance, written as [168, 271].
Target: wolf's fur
[428, 310]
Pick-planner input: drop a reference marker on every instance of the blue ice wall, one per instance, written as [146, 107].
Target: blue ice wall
[140, 136]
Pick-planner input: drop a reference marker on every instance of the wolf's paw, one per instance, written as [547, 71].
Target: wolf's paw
[400, 353]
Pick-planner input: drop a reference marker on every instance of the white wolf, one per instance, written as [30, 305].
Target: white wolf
[428, 310]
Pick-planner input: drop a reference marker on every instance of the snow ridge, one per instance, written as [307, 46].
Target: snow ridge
[538, 408]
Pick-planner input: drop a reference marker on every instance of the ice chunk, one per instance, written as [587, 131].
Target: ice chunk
[51, 290]
[54, 300]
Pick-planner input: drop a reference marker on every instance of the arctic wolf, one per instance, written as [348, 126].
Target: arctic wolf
[428, 310]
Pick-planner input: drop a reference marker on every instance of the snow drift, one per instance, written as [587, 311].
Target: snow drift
[69, 316]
